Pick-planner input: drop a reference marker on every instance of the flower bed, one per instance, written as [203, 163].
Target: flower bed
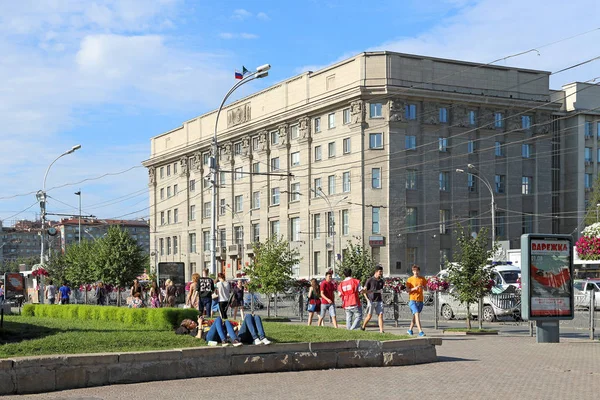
[588, 245]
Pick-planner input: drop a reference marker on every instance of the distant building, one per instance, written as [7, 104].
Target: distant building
[22, 241]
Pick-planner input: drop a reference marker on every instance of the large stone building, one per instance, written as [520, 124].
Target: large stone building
[372, 145]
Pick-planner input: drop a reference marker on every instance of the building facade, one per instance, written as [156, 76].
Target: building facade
[366, 150]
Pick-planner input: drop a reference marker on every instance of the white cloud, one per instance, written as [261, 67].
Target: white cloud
[229, 35]
[241, 14]
[263, 16]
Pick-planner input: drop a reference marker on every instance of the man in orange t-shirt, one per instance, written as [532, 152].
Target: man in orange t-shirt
[414, 286]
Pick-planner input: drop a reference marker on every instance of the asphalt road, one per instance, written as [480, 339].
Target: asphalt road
[511, 365]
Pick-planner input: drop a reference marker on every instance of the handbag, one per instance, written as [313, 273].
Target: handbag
[311, 307]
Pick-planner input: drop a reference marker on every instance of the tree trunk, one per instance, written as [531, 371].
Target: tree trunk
[468, 316]
[85, 295]
[118, 297]
[268, 306]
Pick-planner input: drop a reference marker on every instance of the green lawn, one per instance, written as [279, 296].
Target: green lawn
[26, 336]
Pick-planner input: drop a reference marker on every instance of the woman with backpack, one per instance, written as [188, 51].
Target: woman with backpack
[314, 300]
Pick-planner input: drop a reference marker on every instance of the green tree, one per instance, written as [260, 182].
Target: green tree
[593, 212]
[57, 269]
[80, 262]
[469, 274]
[13, 265]
[118, 258]
[271, 269]
[358, 258]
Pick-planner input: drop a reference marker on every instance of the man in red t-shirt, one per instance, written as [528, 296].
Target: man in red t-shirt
[328, 299]
[350, 289]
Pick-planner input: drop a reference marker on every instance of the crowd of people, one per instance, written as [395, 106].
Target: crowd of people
[321, 299]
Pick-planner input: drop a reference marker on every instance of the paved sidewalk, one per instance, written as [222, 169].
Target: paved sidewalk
[503, 366]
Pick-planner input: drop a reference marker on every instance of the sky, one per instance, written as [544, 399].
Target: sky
[111, 74]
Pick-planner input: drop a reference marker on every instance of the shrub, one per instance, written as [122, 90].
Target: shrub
[157, 318]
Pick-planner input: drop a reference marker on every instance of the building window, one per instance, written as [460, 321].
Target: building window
[443, 115]
[411, 219]
[471, 182]
[168, 170]
[317, 226]
[410, 143]
[598, 154]
[375, 110]
[588, 181]
[331, 120]
[206, 210]
[498, 149]
[192, 213]
[346, 116]
[295, 159]
[237, 148]
[255, 200]
[588, 130]
[527, 224]
[317, 153]
[274, 137]
[330, 223]
[376, 178]
[295, 229]
[474, 221]
[294, 131]
[295, 192]
[223, 238]
[168, 246]
[318, 186]
[192, 185]
[162, 193]
[587, 157]
[411, 179]
[238, 232]
[376, 141]
[526, 150]
[274, 228]
[498, 120]
[331, 184]
[444, 220]
[411, 256]
[255, 233]
[222, 206]
[239, 203]
[255, 143]
[317, 263]
[161, 244]
[317, 125]
[499, 181]
[175, 245]
[176, 215]
[331, 149]
[375, 220]
[192, 242]
[472, 117]
[444, 181]
[162, 172]
[206, 241]
[525, 121]
[598, 129]
[175, 189]
[443, 144]
[346, 182]
[471, 147]
[162, 217]
[500, 225]
[256, 167]
[346, 145]
[168, 192]
[223, 178]
[205, 158]
[411, 111]
[238, 173]
[168, 217]
[274, 196]
[345, 222]
[526, 185]
[275, 164]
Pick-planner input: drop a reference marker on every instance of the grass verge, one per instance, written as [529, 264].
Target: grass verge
[28, 336]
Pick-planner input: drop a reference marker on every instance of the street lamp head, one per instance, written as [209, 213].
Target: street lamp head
[76, 147]
[78, 193]
[263, 68]
[460, 171]
[262, 75]
[471, 166]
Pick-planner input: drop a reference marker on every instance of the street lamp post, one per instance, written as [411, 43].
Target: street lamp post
[260, 72]
[41, 197]
[319, 192]
[489, 187]
[78, 193]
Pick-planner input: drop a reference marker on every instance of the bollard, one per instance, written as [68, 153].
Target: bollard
[436, 306]
[592, 312]
[396, 308]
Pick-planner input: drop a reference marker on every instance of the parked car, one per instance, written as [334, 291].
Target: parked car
[583, 291]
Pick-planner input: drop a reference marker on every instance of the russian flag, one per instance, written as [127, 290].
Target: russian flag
[238, 75]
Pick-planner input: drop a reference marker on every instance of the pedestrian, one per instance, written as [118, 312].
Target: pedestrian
[155, 295]
[171, 292]
[224, 291]
[350, 289]
[314, 300]
[100, 294]
[206, 287]
[50, 292]
[136, 288]
[328, 299]
[237, 300]
[1, 292]
[65, 292]
[414, 286]
[373, 294]
[193, 298]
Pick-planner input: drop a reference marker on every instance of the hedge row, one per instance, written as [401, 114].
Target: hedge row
[157, 318]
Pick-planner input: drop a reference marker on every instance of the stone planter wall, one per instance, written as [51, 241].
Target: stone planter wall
[50, 373]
